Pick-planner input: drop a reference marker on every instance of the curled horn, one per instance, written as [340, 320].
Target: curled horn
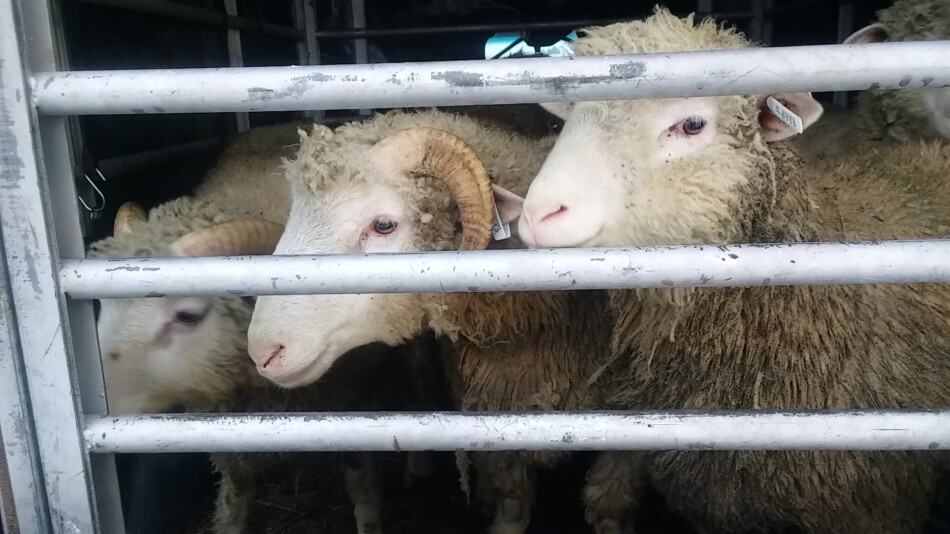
[443, 155]
[232, 238]
[129, 215]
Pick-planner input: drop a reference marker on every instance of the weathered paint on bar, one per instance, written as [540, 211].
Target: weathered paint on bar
[447, 83]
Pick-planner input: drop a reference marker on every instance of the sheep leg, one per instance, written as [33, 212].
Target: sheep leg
[362, 487]
[235, 493]
[613, 489]
[511, 481]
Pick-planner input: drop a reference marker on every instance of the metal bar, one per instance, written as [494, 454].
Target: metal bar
[198, 15]
[236, 59]
[29, 513]
[138, 161]
[39, 215]
[360, 52]
[305, 18]
[767, 18]
[845, 27]
[744, 71]
[513, 270]
[758, 21]
[30, 250]
[593, 431]
[493, 28]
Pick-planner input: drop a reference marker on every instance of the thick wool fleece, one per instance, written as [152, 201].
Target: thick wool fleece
[246, 178]
[510, 351]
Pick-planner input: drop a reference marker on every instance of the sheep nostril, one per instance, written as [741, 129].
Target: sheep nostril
[275, 355]
[562, 209]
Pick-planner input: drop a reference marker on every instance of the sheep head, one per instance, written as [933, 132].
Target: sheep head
[158, 352]
[420, 189]
[907, 114]
[657, 171]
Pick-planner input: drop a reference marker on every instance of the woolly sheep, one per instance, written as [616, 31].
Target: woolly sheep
[713, 170]
[160, 352]
[413, 182]
[894, 115]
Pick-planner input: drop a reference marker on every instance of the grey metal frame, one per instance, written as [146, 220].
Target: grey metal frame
[50, 369]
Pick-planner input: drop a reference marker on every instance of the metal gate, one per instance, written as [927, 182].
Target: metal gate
[56, 436]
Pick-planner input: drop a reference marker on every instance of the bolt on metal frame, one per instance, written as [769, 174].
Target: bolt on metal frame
[50, 373]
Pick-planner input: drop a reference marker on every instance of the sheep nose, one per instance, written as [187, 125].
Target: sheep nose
[270, 355]
[538, 215]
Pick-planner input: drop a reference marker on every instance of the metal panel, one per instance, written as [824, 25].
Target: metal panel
[32, 194]
[514, 270]
[236, 59]
[305, 18]
[845, 28]
[29, 514]
[745, 71]
[594, 431]
[360, 51]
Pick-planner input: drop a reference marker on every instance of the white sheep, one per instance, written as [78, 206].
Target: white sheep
[714, 170]
[888, 116]
[192, 351]
[420, 182]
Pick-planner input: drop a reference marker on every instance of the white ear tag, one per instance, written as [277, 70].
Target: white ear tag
[785, 115]
[499, 229]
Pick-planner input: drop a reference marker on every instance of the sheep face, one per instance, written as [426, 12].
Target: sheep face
[666, 171]
[158, 352]
[352, 198]
[909, 113]
[161, 352]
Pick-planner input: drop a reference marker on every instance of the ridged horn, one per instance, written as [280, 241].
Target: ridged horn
[443, 155]
[232, 238]
[129, 215]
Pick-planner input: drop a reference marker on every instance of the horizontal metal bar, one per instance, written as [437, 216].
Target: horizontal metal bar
[513, 270]
[523, 80]
[199, 15]
[364, 33]
[843, 430]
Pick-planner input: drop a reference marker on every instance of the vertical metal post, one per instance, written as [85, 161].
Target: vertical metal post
[39, 218]
[24, 508]
[360, 52]
[767, 19]
[236, 59]
[845, 28]
[305, 18]
[704, 7]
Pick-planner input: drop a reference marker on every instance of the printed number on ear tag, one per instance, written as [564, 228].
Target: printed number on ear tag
[785, 115]
[499, 229]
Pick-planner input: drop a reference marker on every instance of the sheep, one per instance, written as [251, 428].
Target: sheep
[715, 170]
[889, 116]
[160, 352]
[413, 182]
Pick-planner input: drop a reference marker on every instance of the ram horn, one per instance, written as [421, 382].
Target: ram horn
[232, 238]
[443, 155]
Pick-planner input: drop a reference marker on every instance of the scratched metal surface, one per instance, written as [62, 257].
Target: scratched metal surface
[514, 270]
[512, 81]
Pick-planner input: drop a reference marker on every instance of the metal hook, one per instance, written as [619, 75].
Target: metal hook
[101, 205]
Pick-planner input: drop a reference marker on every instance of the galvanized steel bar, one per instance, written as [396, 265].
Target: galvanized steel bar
[39, 216]
[513, 270]
[594, 431]
[744, 71]
[25, 511]
[236, 59]
[30, 255]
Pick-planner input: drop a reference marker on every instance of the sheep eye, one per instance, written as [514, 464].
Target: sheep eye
[384, 226]
[693, 125]
[189, 318]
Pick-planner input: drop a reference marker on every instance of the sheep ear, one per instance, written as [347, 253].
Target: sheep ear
[508, 203]
[874, 33]
[559, 109]
[803, 105]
